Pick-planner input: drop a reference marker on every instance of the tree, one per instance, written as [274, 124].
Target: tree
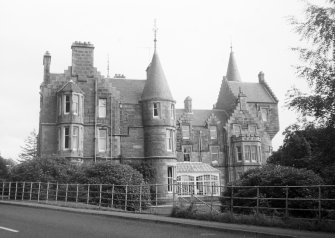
[311, 148]
[3, 168]
[318, 29]
[29, 150]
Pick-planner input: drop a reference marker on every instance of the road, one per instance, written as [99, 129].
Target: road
[19, 221]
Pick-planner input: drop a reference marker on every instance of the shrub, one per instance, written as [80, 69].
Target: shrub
[119, 175]
[271, 175]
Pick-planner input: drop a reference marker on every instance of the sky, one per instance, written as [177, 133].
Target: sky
[194, 39]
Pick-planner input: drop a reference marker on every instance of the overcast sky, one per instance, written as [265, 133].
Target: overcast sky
[194, 40]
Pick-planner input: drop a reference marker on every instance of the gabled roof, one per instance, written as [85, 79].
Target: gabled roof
[156, 86]
[195, 167]
[70, 86]
[232, 71]
[199, 117]
[255, 92]
[130, 89]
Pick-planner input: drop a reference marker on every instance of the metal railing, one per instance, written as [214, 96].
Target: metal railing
[314, 202]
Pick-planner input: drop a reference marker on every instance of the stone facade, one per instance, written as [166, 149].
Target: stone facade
[87, 117]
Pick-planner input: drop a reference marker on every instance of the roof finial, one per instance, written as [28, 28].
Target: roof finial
[107, 65]
[231, 44]
[155, 29]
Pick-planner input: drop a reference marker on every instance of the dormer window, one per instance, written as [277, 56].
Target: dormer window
[213, 132]
[156, 106]
[70, 104]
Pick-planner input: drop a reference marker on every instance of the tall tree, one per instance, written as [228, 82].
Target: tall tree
[29, 149]
[317, 29]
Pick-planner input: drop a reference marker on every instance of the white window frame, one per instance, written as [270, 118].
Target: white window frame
[169, 140]
[75, 138]
[75, 105]
[213, 132]
[247, 153]
[254, 154]
[186, 132]
[102, 104]
[67, 102]
[215, 150]
[66, 137]
[264, 113]
[102, 140]
[172, 111]
[187, 150]
[170, 176]
[239, 154]
[156, 109]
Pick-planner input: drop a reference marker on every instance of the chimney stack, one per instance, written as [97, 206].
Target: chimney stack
[82, 59]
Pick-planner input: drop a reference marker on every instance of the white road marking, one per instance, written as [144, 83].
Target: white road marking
[8, 229]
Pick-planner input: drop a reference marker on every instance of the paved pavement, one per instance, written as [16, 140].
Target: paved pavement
[209, 228]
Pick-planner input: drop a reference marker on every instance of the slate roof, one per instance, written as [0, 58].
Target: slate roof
[199, 116]
[156, 86]
[232, 71]
[195, 167]
[70, 86]
[130, 89]
[255, 92]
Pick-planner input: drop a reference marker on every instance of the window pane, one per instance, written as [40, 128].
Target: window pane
[172, 111]
[75, 138]
[75, 104]
[102, 107]
[67, 103]
[186, 132]
[213, 132]
[156, 109]
[187, 153]
[169, 139]
[239, 153]
[66, 137]
[264, 112]
[170, 178]
[102, 140]
[254, 153]
[247, 153]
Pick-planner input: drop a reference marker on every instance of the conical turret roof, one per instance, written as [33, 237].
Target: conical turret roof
[232, 71]
[156, 86]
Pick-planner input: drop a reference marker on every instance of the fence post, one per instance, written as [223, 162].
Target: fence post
[3, 190]
[66, 191]
[213, 186]
[141, 198]
[31, 190]
[88, 194]
[39, 191]
[56, 192]
[156, 195]
[77, 193]
[113, 195]
[23, 187]
[232, 199]
[15, 191]
[47, 199]
[100, 195]
[319, 215]
[125, 199]
[10, 185]
[257, 208]
[286, 202]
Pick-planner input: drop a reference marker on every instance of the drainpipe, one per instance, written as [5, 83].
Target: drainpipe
[111, 123]
[95, 118]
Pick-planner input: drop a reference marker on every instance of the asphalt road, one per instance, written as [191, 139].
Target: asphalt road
[19, 221]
